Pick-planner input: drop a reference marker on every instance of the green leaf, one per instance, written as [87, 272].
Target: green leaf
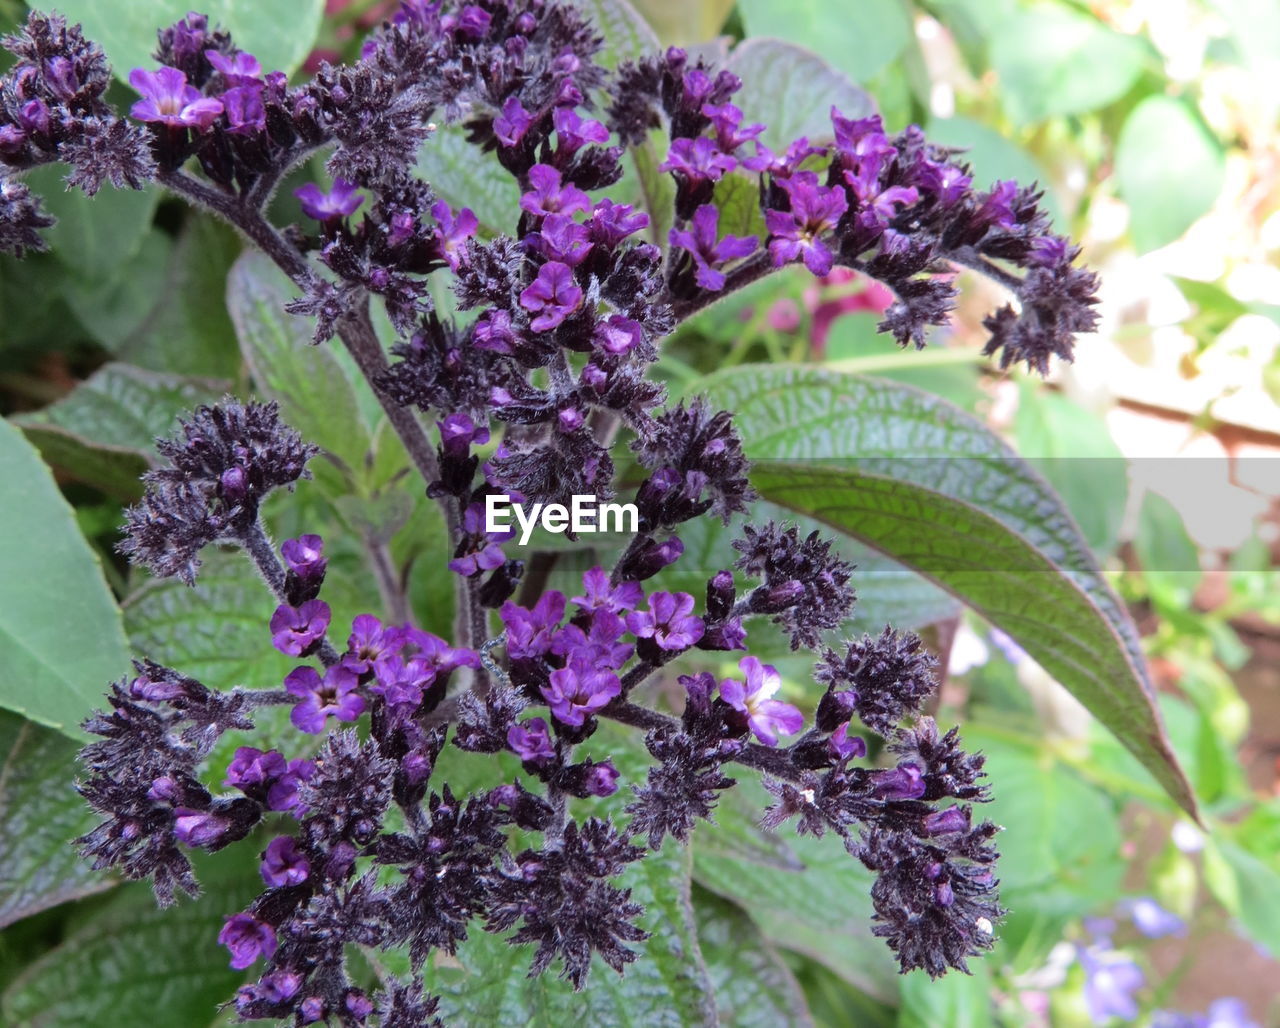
[133, 962]
[315, 394]
[934, 489]
[627, 35]
[858, 41]
[657, 190]
[1258, 891]
[1166, 197]
[679, 23]
[41, 812]
[94, 235]
[103, 432]
[1072, 448]
[994, 157]
[753, 987]
[50, 583]
[956, 1000]
[279, 35]
[1053, 61]
[738, 198]
[1169, 558]
[666, 986]
[792, 90]
[464, 176]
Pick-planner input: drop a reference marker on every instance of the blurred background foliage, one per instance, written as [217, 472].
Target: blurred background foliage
[1154, 128]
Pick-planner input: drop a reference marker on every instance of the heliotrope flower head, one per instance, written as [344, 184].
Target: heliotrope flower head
[168, 99]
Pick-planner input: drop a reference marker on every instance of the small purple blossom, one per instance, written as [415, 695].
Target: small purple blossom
[618, 335]
[304, 556]
[283, 794]
[598, 593]
[245, 112]
[767, 718]
[283, 864]
[726, 121]
[707, 249]
[482, 551]
[548, 196]
[552, 296]
[904, 782]
[529, 632]
[252, 767]
[846, 747]
[399, 682]
[248, 939]
[560, 239]
[698, 160]
[334, 695]
[578, 691]
[610, 223]
[452, 232]
[669, 621]
[240, 69]
[1110, 983]
[294, 630]
[574, 132]
[369, 641]
[797, 234]
[531, 741]
[512, 123]
[494, 332]
[341, 201]
[168, 100]
[1151, 919]
[599, 646]
[601, 779]
[197, 828]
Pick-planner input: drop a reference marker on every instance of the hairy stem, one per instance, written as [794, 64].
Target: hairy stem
[390, 586]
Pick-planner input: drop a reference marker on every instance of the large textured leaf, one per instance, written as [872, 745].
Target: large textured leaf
[41, 813]
[279, 35]
[61, 639]
[858, 40]
[133, 963]
[626, 34]
[754, 988]
[464, 176]
[104, 431]
[667, 987]
[792, 90]
[315, 395]
[934, 489]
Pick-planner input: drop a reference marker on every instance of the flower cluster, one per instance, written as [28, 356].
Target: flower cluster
[529, 391]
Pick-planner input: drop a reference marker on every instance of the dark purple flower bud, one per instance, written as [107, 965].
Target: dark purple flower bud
[576, 692]
[493, 332]
[478, 551]
[157, 691]
[199, 828]
[311, 1010]
[251, 768]
[593, 779]
[552, 296]
[33, 116]
[357, 1003]
[846, 747]
[650, 557]
[340, 202]
[766, 717]
[725, 635]
[296, 630]
[721, 593]
[304, 557]
[283, 794]
[168, 100]
[548, 196]
[334, 695]
[164, 790]
[458, 433]
[773, 599]
[836, 707]
[283, 864]
[531, 741]
[618, 335]
[707, 249]
[669, 622]
[944, 822]
[12, 140]
[904, 782]
[234, 484]
[248, 939]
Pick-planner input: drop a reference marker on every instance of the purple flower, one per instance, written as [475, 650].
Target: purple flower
[573, 132]
[618, 335]
[283, 794]
[599, 594]
[862, 142]
[248, 939]
[283, 863]
[797, 234]
[321, 697]
[548, 196]
[904, 782]
[578, 691]
[341, 201]
[600, 779]
[560, 239]
[669, 621]
[167, 99]
[304, 556]
[436, 657]
[493, 332]
[245, 112]
[997, 205]
[471, 22]
[788, 163]
[399, 682]
[946, 822]
[198, 827]
[252, 767]
[1151, 919]
[698, 160]
[845, 747]
[706, 250]
[599, 646]
[726, 120]
[1110, 982]
[529, 632]
[511, 125]
[458, 433]
[766, 717]
[610, 223]
[531, 741]
[241, 69]
[294, 630]
[482, 550]
[452, 233]
[553, 296]
[369, 642]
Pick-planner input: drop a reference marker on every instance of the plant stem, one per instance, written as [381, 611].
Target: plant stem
[390, 586]
[258, 545]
